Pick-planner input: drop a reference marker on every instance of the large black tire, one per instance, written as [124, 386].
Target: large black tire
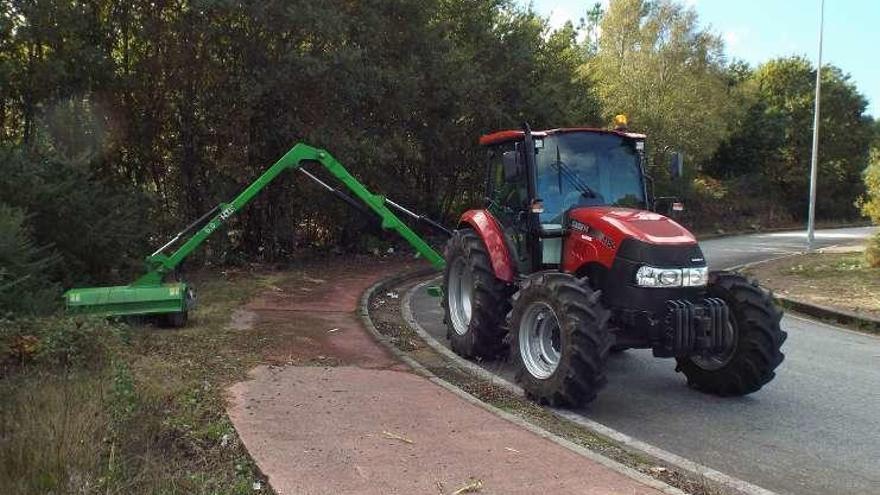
[479, 331]
[758, 338]
[584, 340]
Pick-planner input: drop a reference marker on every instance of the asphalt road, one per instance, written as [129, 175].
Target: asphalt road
[814, 430]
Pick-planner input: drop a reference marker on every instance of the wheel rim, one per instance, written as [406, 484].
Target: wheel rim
[539, 340]
[460, 295]
[710, 361]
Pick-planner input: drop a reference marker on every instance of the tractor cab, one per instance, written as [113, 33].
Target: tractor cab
[532, 194]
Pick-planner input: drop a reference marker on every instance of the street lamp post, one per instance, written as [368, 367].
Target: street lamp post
[814, 161]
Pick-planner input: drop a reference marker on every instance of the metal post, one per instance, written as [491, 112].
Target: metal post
[814, 162]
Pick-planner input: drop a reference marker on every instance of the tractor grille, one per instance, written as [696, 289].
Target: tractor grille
[697, 326]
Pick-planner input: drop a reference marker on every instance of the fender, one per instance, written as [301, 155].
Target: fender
[490, 231]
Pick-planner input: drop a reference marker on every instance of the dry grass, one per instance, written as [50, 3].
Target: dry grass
[149, 418]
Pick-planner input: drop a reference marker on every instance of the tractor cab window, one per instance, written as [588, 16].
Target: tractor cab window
[587, 169]
[508, 189]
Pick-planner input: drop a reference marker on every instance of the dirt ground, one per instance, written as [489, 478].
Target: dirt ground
[831, 279]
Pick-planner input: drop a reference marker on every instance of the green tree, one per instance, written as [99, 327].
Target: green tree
[870, 202]
[657, 65]
[772, 140]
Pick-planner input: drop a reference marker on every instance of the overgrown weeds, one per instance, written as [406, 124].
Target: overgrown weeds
[91, 406]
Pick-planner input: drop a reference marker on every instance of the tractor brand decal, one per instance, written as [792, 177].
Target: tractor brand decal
[590, 233]
[223, 216]
[227, 212]
[580, 227]
[605, 239]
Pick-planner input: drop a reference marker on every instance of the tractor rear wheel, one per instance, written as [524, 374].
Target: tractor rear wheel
[559, 339]
[749, 363]
[474, 300]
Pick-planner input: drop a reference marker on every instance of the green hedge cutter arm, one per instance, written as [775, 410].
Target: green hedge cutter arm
[149, 294]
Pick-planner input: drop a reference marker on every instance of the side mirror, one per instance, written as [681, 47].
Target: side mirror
[512, 165]
[676, 165]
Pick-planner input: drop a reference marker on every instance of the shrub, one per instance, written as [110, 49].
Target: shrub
[870, 203]
[24, 285]
[59, 342]
[872, 252]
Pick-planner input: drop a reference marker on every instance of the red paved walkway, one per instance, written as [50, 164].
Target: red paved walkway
[333, 430]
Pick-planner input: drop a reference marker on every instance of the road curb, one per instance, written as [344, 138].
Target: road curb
[364, 314]
[728, 482]
[864, 323]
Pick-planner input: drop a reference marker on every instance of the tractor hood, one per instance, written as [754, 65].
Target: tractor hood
[621, 223]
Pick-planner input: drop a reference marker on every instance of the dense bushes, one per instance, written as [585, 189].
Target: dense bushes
[24, 283]
[59, 343]
[91, 220]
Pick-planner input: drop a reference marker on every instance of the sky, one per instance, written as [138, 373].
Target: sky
[758, 30]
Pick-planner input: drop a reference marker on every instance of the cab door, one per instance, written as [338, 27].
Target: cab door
[507, 198]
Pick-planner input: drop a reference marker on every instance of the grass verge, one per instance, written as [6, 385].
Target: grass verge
[95, 407]
[841, 281]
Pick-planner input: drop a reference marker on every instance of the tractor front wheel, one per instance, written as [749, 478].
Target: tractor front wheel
[474, 300]
[754, 353]
[559, 339]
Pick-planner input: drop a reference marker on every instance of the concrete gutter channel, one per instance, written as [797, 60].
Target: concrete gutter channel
[689, 473]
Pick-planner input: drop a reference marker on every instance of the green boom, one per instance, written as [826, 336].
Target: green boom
[149, 295]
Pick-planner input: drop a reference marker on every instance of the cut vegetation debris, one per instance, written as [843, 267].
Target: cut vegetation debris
[395, 436]
[472, 487]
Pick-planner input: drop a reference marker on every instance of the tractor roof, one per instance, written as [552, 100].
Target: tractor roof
[516, 135]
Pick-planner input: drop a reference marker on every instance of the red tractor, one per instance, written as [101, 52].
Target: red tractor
[567, 262]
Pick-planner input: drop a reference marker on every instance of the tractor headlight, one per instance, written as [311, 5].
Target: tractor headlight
[649, 276]
[695, 277]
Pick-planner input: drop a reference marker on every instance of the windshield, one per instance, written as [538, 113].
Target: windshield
[587, 169]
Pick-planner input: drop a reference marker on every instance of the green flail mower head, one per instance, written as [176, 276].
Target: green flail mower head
[169, 303]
